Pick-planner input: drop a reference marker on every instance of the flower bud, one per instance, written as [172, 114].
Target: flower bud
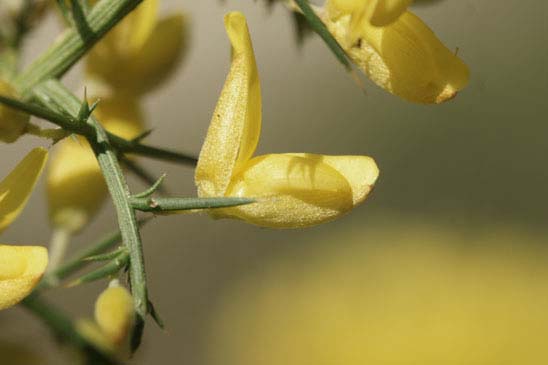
[114, 313]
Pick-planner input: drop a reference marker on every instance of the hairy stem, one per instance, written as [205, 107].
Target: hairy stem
[119, 191]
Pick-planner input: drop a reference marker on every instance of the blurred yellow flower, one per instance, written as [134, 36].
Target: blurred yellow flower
[395, 49]
[391, 294]
[114, 318]
[140, 52]
[114, 313]
[292, 190]
[12, 122]
[75, 185]
[21, 267]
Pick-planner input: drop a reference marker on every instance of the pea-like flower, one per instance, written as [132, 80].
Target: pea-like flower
[292, 189]
[395, 49]
[114, 313]
[75, 184]
[114, 318]
[12, 122]
[140, 52]
[21, 267]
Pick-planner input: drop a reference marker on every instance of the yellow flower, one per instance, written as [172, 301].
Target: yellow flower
[377, 12]
[12, 122]
[140, 52]
[114, 318]
[292, 190]
[21, 267]
[396, 49]
[75, 185]
[114, 313]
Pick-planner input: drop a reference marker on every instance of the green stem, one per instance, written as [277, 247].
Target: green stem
[111, 268]
[119, 191]
[73, 44]
[79, 260]
[147, 204]
[63, 327]
[54, 114]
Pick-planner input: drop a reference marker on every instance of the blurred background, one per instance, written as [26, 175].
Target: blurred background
[446, 262]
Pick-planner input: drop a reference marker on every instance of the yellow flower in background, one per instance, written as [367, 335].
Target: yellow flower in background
[140, 52]
[114, 318]
[292, 190]
[391, 294]
[395, 49]
[114, 313]
[21, 267]
[75, 185]
[12, 122]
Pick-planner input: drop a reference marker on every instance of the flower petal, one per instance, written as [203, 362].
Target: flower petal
[150, 65]
[114, 313]
[235, 127]
[292, 191]
[405, 58]
[384, 12]
[21, 268]
[74, 168]
[158, 58]
[361, 172]
[377, 12]
[93, 333]
[122, 46]
[16, 188]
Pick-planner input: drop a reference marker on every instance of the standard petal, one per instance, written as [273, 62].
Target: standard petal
[235, 127]
[75, 185]
[16, 188]
[292, 192]
[405, 58]
[21, 268]
[122, 45]
[361, 172]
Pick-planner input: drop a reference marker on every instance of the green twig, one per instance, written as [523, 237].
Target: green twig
[54, 113]
[111, 268]
[79, 261]
[148, 204]
[119, 191]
